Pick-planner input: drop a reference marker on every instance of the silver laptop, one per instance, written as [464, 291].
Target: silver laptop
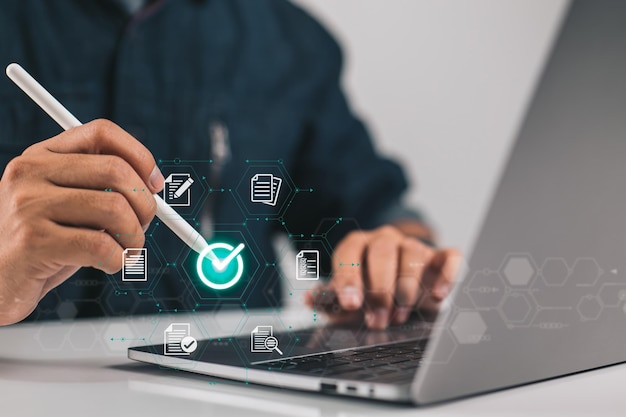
[545, 292]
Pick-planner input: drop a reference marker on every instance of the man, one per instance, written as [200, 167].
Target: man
[170, 74]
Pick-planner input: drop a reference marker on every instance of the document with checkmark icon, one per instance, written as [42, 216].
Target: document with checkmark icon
[177, 340]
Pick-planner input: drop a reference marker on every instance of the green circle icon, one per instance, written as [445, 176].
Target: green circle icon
[220, 265]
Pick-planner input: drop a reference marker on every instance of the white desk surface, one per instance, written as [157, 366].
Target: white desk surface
[75, 369]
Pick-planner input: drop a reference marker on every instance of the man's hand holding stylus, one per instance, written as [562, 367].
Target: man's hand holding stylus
[77, 199]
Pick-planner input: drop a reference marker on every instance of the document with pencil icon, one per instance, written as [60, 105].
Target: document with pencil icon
[177, 191]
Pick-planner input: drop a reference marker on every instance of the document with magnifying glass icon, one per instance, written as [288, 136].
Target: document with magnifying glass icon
[258, 336]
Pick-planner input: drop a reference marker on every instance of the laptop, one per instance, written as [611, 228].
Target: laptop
[544, 294]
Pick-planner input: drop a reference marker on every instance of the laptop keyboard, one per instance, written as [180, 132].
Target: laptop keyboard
[392, 363]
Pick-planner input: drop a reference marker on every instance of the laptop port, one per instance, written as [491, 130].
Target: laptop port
[328, 388]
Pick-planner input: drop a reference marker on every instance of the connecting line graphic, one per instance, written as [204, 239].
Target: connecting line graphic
[129, 339]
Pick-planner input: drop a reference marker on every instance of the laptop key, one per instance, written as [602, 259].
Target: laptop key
[375, 355]
[398, 360]
[358, 358]
[342, 369]
[358, 375]
[375, 364]
[334, 363]
[344, 354]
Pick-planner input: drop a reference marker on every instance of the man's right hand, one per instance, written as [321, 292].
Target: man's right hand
[77, 199]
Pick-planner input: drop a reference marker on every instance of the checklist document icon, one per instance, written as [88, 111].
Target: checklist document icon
[135, 265]
[308, 265]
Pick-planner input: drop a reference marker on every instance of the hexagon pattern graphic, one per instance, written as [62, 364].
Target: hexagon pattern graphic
[519, 270]
[555, 271]
[516, 308]
[589, 308]
[468, 327]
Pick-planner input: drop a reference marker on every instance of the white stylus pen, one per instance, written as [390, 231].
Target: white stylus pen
[66, 120]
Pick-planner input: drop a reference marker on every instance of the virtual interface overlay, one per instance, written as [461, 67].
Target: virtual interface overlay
[517, 292]
[241, 267]
[490, 305]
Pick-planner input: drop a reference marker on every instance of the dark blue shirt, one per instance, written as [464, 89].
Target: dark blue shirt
[223, 88]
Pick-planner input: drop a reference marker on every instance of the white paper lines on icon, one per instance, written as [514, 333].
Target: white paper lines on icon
[308, 265]
[264, 188]
[262, 340]
[177, 340]
[135, 265]
[177, 191]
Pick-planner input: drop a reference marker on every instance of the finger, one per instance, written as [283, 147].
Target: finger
[323, 298]
[438, 279]
[103, 172]
[345, 317]
[318, 298]
[79, 247]
[97, 210]
[382, 260]
[444, 265]
[105, 137]
[327, 302]
[347, 274]
[414, 256]
[57, 279]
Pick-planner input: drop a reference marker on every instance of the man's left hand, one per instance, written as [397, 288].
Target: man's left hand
[381, 275]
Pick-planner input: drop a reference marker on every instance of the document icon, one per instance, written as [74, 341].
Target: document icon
[258, 336]
[173, 339]
[264, 188]
[308, 265]
[135, 265]
[177, 191]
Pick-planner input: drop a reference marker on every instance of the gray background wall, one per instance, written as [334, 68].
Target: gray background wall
[443, 86]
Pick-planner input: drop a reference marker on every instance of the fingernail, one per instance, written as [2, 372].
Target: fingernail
[377, 319]
[145, 227]
[156, 179]
[402, 313]
[442, 291]
[350, 298]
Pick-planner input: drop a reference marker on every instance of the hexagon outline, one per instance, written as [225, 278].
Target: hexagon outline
[95, 340]
[152, 282]
[567, 267]
[284, 252]
[621, 297]
[508, 319]
[238, 332]
[589, 298]
[518, 257]
[287, 180]
[200, 179]
[152, 339]
[598, 268]
[469, 289]
[462, 322]
[249, 284]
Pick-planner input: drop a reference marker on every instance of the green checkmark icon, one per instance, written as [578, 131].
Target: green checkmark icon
[220, 265]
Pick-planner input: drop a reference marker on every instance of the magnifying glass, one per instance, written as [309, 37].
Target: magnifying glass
[271, 343]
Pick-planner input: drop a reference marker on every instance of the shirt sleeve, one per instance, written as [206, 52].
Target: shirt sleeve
[336, 156]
